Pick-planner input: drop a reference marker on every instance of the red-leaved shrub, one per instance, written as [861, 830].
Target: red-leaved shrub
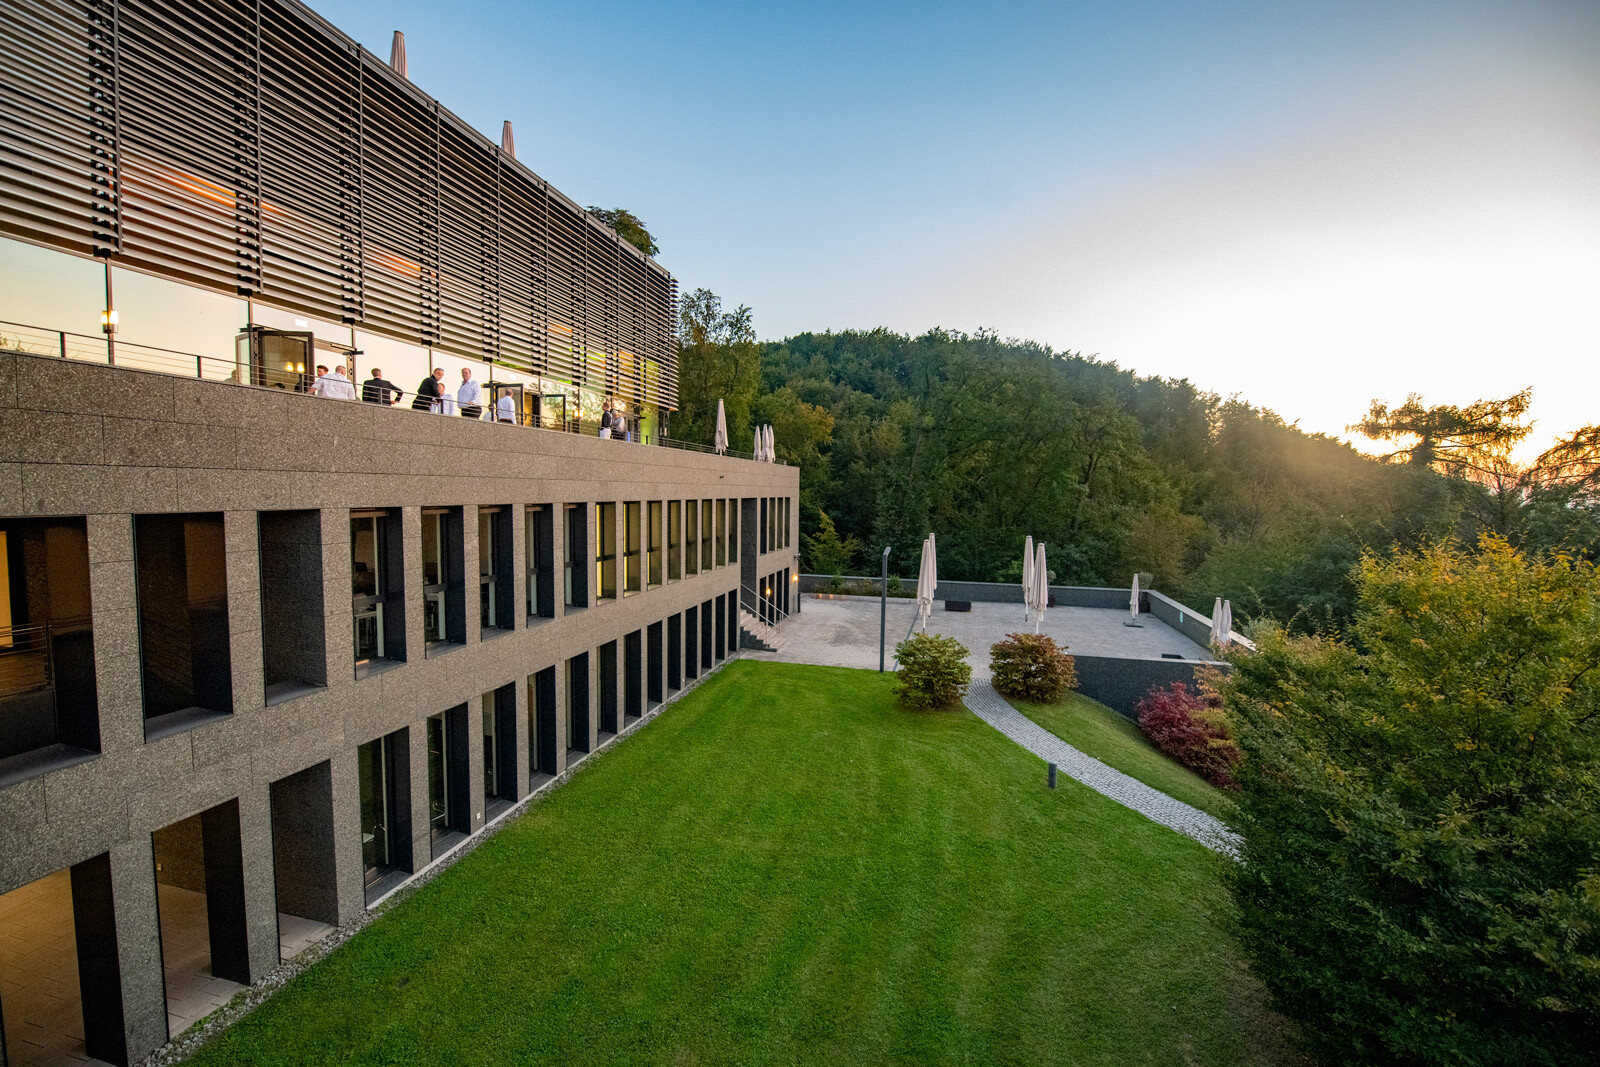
[1188, 725]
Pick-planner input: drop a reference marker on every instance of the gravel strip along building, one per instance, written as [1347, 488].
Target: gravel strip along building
[265, 654]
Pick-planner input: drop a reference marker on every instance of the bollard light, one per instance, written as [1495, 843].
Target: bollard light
[1052, 776]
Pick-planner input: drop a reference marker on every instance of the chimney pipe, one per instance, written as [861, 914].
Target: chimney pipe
[508, 144]
[397, 55]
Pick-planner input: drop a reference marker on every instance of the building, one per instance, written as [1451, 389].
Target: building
[266, 655]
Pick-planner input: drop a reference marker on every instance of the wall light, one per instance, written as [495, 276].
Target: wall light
[108, 321]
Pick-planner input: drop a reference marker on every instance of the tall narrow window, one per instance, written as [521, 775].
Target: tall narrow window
[375, 589]
[434, 585]
[438, 778]
[735, 531]
[653, 526]
[763, 524]
[541, 602]
[385, 821]
[574, 548]
[706, 529]
[605, 551]
[186, 667]
[632, 576]
[722, 532]
[491, 748]
[495, 611]
[674, 540]
[691, 537]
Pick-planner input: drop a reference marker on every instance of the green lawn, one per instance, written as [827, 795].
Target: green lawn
[788, 868]
[1115, 740]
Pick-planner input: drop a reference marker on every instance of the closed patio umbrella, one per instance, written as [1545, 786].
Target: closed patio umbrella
[1133, 603]
[1027, 578]
[1227, 623]
[1041, 587]
[925, 583]
[721, 439]
[772, 449]
[1218, 634]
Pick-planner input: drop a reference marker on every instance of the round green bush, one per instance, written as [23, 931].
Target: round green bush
[1032, 667]
[934, 672]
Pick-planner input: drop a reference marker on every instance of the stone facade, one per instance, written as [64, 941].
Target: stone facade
[108, 444]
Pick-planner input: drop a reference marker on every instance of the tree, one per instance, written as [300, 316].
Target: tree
[627, 226]
[718, 359]
[1450, 439]
[1420, 813]
[827, 552]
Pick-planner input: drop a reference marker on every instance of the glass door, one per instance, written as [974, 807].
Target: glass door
[374, 786]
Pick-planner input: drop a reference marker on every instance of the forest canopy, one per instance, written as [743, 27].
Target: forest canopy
[986, 440]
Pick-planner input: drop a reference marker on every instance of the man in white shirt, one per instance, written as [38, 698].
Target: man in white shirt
[470, 396]
[505, 409]
[336, 385]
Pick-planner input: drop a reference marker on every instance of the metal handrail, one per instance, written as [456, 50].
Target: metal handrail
[108, 351]
[26, 662]
[756, 597]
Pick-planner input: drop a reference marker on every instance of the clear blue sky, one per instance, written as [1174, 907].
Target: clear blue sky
[1308, 204]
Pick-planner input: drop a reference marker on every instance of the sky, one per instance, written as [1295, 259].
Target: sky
[1309, 205]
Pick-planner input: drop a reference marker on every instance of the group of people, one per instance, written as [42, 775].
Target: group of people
[431, 394]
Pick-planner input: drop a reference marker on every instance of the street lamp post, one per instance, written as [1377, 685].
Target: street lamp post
[883, 609]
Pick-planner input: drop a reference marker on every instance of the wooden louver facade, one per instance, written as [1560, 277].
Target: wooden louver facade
[248, 147]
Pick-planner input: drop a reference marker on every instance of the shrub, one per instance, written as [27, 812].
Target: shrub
[933, 671]
[1032, 667]
[1189, 726]
[1419, 875]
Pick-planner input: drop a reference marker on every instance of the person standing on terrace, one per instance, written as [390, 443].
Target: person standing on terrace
[470, 396]
[336, 385]
[378, 390]
[429, 392]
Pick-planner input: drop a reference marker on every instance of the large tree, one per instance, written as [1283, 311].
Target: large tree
[1418, 880]
[718, 359]
[1447, 438]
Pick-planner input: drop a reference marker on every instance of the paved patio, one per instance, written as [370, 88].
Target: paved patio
[844, 633]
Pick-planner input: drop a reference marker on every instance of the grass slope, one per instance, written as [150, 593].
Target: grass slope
[1115, 740]
[788, 868]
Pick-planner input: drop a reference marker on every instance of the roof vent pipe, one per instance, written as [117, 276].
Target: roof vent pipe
[508, 144]
[397, 55]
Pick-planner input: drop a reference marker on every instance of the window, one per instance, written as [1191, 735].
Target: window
[442, 604]
[47, 679]
[375, 588]
[447, 776]
[632, 576]
[495, 611]
[491, 748]
[384, 809]
[185, 664]
[722, 532]
[674, 541]
[541, 600]
[605, 551]
[691, 537]
[764, 502]
[735, 531]
[438, 778]
[788, 519]
[574, 546]
[705, 535]
[653, 526]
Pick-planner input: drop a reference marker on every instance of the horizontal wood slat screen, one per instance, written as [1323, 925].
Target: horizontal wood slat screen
[246, 146]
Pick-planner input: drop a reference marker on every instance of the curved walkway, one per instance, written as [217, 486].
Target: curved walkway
[992, 708]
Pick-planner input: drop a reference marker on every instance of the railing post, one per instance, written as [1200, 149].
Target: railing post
[62, 335]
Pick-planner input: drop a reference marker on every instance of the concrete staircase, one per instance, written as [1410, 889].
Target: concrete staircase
[758, 635]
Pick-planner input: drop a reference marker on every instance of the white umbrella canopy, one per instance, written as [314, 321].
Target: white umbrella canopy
[1227, 623]
[1027, 577]
[1041, 587]
[933, 566]
[925, 583]
[772, 449]
[1133, 601]
[1216, 622]
[721, 439]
